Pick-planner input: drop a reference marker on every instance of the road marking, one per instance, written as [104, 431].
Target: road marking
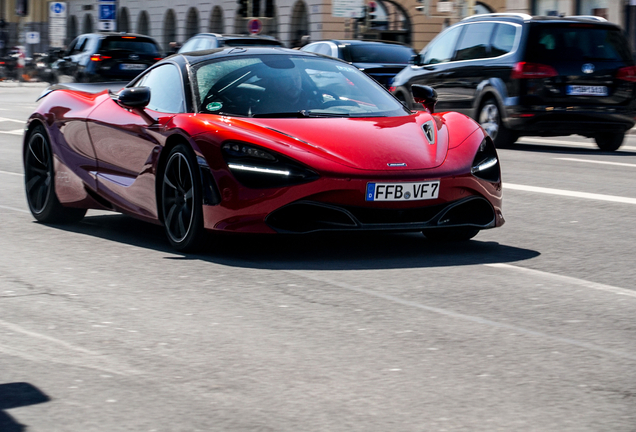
[573, 194]
[14, 209]
[11, 120]
[598, 162]
[567, 279]
[471, 318]
[11, 173]
[531, 140]
[13, 132]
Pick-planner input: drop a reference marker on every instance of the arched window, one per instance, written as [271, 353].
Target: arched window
[299, 26]
[169, 28]
[71, 32]
[192, 23]
[143, 23]
[87, 24]
[123, 21]
[216, 21]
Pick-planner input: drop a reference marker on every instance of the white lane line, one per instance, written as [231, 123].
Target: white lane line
[14, 209]
[11, 173]
[452, 314]
[586, 144]
[567, 279]
[567, 193]
[597, 162]
[13, 132]
[11, 120]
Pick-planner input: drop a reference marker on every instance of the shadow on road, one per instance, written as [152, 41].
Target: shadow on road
[324, 251]
[16, 395]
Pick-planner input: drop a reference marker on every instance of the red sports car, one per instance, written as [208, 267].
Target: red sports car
[259, 140]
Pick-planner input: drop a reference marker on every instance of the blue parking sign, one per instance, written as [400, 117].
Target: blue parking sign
[107, 11]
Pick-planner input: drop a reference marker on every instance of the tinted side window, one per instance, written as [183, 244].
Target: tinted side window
[504, 40]
[323, 48]
[189, 45]
[166, 89]
[441, 50]
[475, 42]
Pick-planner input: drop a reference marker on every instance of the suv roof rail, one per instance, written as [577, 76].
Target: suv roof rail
[500, 15]
[589, 17]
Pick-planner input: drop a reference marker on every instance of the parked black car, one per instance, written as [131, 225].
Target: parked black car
[381, 60]
[95, 57]
[206, 41]
[521, 75]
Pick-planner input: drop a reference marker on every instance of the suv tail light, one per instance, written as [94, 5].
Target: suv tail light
[99, 57]
[627, 74]
[525, 70]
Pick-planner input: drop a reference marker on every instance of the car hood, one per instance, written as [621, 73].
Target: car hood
[377, 144]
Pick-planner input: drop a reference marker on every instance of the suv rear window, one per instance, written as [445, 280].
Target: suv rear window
[584, 42]
[376, 53]
[251, 42]
[130, 43]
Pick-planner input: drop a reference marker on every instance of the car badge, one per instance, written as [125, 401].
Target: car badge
[429, 131]
[587, 68]
[401, 164]
[133, 57]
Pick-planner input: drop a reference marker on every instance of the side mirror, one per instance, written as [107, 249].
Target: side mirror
[425, 95]
[134, 97]
[416, 60]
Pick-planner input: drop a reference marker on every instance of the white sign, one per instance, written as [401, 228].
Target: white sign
[58, 11]
[347, 8]
[106, 25]
[444, 6]
[32, 37]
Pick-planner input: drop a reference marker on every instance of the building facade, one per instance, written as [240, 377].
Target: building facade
[414, 22]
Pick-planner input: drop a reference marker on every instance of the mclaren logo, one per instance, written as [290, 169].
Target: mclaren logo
[587, 68]
[429, 131]
[401, 164]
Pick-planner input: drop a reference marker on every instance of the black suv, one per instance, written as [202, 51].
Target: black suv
[522, 75]
[95, 57]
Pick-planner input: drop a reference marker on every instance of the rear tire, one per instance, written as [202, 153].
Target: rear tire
[609, 141]
[450, 234]
[39, 182]
[490, 119]
[181, 200]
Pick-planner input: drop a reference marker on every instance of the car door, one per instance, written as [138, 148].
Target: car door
[469, 67]
[435, 64]
[126, 146]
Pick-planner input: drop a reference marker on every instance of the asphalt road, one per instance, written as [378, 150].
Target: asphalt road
[530, 327]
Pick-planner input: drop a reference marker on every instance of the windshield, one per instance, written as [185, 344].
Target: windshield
[278, 85]
[377, 53]
[130, 43]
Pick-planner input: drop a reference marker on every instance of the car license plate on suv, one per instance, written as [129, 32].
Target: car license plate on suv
[402, 191]
[132, 66]
[583, 90]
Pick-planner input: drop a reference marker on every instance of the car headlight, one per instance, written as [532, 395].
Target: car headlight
[256, 168]
[486, 163]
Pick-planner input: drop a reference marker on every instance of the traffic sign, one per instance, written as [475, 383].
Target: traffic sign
[255, 26]
[107, 11]
[57, 10]
[32, 37]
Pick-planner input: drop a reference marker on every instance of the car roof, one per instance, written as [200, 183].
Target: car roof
[103, 35]
[521, 17]
[195, 57]
[234, 36]
[361, 42]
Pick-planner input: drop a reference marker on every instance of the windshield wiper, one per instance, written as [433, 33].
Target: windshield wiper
[295, 114]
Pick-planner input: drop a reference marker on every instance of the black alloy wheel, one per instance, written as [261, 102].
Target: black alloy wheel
[609, 141]
[181, 202]
[39, 182]
[490, 119]
[450, 234]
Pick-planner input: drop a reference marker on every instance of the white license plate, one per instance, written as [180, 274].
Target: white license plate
[132, 66]
[581, 90]
[415, 191]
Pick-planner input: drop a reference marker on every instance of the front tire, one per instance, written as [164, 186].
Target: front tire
[450, 234]
[181, 200]
[609, 141]
[39, 182]
[490, 119]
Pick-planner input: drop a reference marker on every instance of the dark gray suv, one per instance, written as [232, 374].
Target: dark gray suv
[522, 75]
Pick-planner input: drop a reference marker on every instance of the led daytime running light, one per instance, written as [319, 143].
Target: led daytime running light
[258, 169]
[485, 165]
